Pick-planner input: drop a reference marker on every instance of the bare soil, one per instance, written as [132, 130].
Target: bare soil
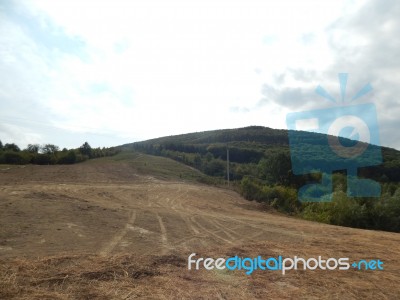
[107, 230]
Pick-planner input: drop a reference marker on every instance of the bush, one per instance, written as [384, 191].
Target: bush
[81, 158]
[280, 197]
[380, 214]
[68, 158]
[17, 158]
[319, 212]
[44, 159]
[250, 189]
[215, 167]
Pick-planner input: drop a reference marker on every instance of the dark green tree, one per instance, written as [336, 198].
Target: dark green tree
[50, 149]
[276, 168]
[215, 167]
[68, 157]
[85, 149]
[11, 147]
[33, 148]
[15, 158]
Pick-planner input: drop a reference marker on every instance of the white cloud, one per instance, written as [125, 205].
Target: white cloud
[142, 69]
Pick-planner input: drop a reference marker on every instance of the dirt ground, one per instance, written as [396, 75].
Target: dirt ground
[107, 231]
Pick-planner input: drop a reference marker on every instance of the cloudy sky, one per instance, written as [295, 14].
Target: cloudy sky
[113, 72]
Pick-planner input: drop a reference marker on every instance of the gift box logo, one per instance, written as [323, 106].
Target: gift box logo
[347, 139]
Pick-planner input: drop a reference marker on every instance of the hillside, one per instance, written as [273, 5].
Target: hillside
[122, 227]
[247, 146]
[260, 169]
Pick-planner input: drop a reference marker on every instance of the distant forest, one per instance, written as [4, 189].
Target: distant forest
[251, 151]
[260, 169]
[50, 154]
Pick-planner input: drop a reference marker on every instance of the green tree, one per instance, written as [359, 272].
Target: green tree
[33, 148]
[250, 189]
[67, 158]
[276, 168]
[197, 161]
[11, 147]
[215, 167]
[50, 149]
[85, 149]
[15, 158]
[1, 145]
[209, 156]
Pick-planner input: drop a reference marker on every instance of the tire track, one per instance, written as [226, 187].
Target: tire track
[210, 232]
[174, 201]
[222, 228]
[189, 224]
[164, 239]
[180, 196]
[262, 227]
[107, 249]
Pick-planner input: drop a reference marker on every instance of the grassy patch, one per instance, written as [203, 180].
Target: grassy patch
[157, 166]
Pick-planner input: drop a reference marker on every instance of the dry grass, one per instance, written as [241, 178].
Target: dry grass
[107, 231]
[126, 276]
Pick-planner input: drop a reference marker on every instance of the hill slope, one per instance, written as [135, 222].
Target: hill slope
[247, 146]
[260, 168]
[123, 227]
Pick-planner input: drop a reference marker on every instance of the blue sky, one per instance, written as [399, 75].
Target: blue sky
[113, 72]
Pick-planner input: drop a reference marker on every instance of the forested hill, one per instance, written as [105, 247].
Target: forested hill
[258, 134]
[248, 146]
[260, 169]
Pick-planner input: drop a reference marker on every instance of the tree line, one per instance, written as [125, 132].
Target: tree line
[50, 154]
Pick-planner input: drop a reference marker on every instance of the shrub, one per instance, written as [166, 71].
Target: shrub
[44, 159]
[14, 158]
[67, 158]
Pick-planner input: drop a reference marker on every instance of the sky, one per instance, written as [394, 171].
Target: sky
[115, 72]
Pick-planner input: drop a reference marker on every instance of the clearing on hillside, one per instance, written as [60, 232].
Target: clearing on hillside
[123, 227]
